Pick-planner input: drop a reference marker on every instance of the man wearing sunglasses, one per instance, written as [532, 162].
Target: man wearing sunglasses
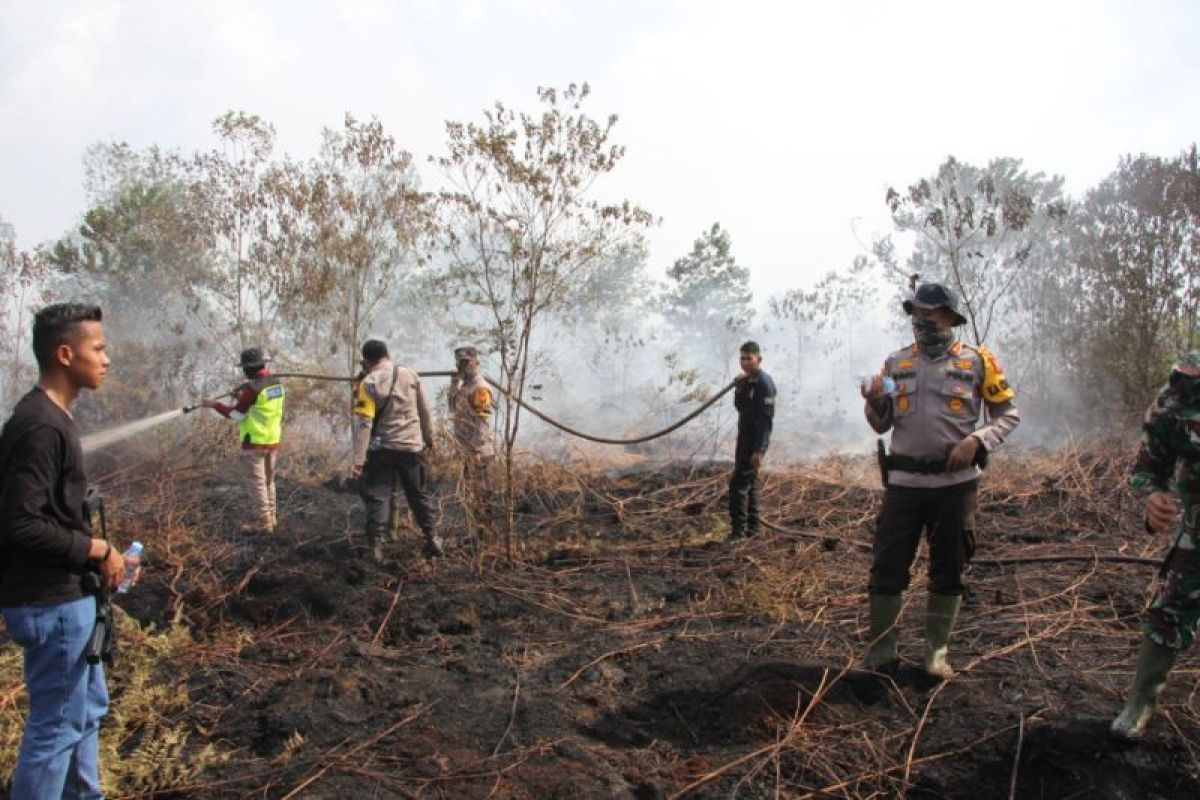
[754, 399]
[939, 388]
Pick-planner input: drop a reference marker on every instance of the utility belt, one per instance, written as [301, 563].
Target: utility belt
[889, 462]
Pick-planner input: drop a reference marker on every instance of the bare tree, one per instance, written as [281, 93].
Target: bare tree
[977, 229]
[22, 280]
[346, 230]
[522, 230]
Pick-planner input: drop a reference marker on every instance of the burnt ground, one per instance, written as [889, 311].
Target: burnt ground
[627, 652]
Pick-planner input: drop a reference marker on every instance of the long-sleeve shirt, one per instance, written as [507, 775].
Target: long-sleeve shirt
[244, 399]
[1169, 449]
[47, 537]
[938, 402]
[754, 399]
[401, 423]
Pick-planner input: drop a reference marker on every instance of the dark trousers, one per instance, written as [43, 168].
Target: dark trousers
[946, 515]
[743, 495]
[382, 472]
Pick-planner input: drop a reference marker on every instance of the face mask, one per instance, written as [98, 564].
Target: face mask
[933, 338]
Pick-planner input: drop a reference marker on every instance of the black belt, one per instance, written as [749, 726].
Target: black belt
[929, 466]
[921, 466]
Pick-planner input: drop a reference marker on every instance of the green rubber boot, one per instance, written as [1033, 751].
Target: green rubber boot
[939, 621]
[1153, 663]
[885, 608]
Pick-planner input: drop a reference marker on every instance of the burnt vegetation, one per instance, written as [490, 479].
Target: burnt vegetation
[628, 651]
[607, 642]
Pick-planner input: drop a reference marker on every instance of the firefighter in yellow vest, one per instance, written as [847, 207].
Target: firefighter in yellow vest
[258, 409]
[471, 406]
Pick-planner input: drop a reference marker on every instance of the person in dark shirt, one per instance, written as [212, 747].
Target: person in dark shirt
[754, 399]
[47, 548]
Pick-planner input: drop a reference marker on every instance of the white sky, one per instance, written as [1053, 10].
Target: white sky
[784, 121]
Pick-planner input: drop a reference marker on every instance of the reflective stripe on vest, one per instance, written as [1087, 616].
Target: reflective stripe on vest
[263, 423]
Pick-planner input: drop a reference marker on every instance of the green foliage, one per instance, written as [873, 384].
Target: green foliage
[144, 747]
[707, 288]
[1136, 283]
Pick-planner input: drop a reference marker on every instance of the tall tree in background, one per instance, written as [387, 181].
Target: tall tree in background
[142, 252]
[347, 230]
[523, 231]
[22, 276]
[707, 289]
[836, 299]
[244, 289]
[1138, 274]
[979, 230]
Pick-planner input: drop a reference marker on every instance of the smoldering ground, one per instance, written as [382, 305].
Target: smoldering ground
[629, 653]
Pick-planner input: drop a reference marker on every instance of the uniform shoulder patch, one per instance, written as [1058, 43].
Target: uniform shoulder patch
[995, 386]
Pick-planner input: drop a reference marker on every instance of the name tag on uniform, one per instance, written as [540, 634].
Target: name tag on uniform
[274, 392]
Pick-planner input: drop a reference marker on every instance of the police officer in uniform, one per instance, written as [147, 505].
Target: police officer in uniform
[754, 399]
[471, 406]
[941, 387]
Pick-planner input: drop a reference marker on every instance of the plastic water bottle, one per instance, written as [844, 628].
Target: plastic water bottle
[889, 383]
[133, 560]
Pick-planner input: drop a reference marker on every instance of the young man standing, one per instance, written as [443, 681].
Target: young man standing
[400, 436]
[48, 547]
[754, 399]
[258, 410]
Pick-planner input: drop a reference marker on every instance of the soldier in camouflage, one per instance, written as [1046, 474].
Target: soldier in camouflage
[1169, 450]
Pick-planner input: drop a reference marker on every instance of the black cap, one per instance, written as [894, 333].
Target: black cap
[750, 347]
[252, 357]
[465, 352]
[935, 295]
[373, 350]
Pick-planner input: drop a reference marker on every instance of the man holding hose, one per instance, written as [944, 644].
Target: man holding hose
[395, 449]
[258, 410]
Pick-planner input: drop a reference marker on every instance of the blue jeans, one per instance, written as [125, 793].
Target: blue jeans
[59, 755]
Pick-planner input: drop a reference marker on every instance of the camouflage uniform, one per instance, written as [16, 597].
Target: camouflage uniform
[1170, 447]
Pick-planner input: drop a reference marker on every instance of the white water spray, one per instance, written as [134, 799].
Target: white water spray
[93, 442]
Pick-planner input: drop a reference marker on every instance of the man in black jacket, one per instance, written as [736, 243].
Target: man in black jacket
[48, 547]
[754, 399]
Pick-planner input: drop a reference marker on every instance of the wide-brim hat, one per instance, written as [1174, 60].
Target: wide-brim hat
[252, 357]
[934, 295]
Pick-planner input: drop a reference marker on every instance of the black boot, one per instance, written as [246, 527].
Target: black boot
[433, 546]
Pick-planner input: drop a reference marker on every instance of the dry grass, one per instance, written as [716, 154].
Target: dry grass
[625, 595]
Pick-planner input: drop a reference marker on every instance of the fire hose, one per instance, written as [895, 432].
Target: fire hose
[531, 409]
[1093, 557]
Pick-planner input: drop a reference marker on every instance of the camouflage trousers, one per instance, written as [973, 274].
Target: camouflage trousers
[1175, 610]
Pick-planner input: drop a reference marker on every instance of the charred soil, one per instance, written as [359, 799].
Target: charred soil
[630, 652]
